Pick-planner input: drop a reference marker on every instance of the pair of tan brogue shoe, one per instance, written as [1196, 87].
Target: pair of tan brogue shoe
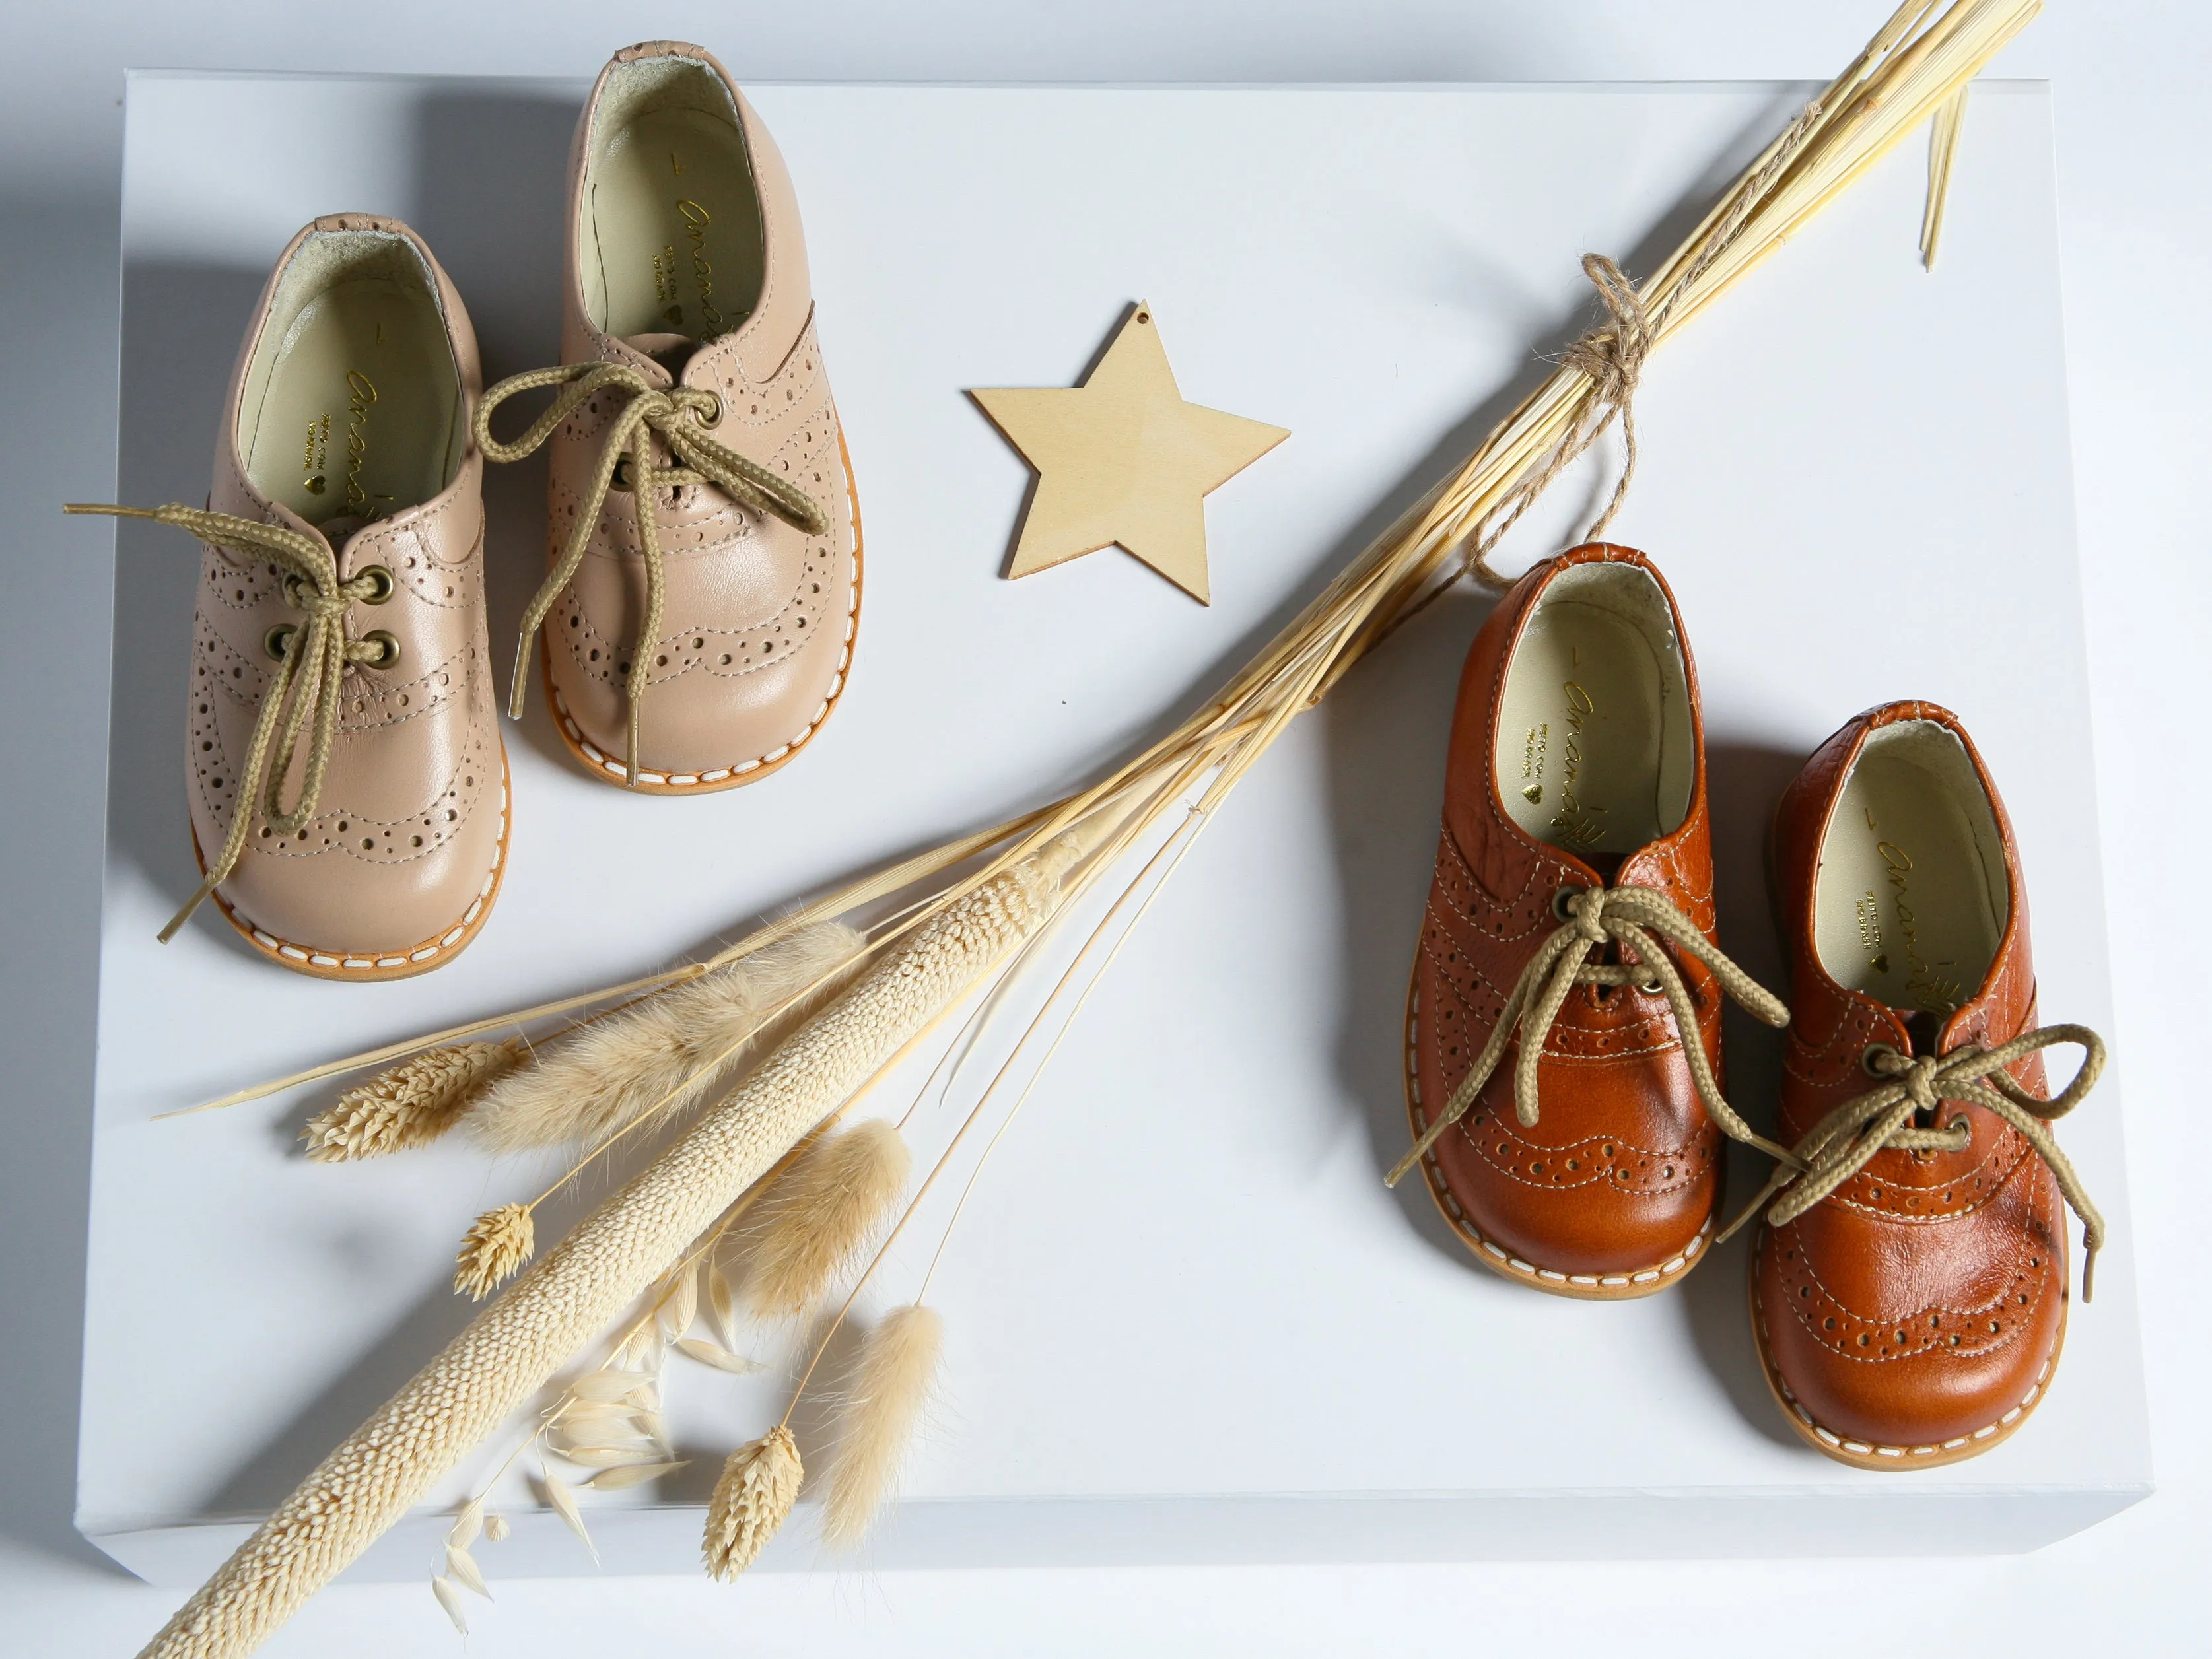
[1908, 1283]
[349, 786]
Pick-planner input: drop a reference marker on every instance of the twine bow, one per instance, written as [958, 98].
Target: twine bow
[1637, 920]
[679, 415]
[1891, 1116]
[310, 661]
[1612, 356]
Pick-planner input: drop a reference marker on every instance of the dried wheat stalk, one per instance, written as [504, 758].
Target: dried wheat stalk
[411, 1104]
[1922, 56]
[751, 1501]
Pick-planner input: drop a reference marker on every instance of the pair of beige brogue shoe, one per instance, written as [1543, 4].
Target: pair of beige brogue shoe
[349, 787]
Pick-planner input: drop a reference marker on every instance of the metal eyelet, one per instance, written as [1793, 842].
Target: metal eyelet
[388, 644]
[277, 640]
[1652, 986]
[1559, 901]
[621, 479]
[383, 587]
[1873, 1049]
[294, 586]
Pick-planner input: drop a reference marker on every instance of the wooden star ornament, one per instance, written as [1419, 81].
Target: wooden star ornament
[1123, 461]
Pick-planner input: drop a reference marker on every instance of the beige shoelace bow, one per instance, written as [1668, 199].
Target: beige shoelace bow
[1637, 918]
[1882, 1119]
[679, 415]
[310, 661]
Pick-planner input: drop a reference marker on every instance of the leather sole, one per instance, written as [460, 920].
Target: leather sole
[365, 967]
[1623, 1287]
[608, 768]
[1868, 1455]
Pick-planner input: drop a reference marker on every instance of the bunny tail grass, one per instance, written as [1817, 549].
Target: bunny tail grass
[752, 1502]
[892, 1384]
[410, 1105]
[821, 1213]
[661, 1051]
[500, 1241]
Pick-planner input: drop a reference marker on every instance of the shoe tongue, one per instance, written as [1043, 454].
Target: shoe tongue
[338, 530]
[670, 351]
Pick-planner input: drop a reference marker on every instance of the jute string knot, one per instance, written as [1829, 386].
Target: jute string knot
[1612, 356]
[310, 663]
[1900, 1113]
[1642, 922]
[678, 416]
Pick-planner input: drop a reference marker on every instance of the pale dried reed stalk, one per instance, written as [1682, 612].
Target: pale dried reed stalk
[1943, 160]
[650, 1057]
[890, 1384]
[410, 1105]
[1921, 58]
[751, 1501]
[821, 1214]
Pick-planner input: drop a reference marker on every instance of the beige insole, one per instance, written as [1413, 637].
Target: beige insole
[1911, 897]
[357, 419]
[1579, 731]
[675, 226]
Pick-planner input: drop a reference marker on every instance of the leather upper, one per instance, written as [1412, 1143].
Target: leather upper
[1925, 1298]
[758, 616]
[1622, 1171]
[403, 855]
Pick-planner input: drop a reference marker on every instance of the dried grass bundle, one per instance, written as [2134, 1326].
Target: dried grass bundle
[662, 1051]
[752, 1502]
[1921, 58]
[410, 1105]
[577, 1290]
[821, 1214]
[890, 1384]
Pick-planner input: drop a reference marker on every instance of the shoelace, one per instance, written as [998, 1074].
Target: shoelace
[679, 415]
[1842, 1143]
[310, 663]
[1637, 919]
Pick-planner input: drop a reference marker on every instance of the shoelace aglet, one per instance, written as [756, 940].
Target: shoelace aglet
[105, 510]
[518, 684]
[176, 922]
[2088, 1268]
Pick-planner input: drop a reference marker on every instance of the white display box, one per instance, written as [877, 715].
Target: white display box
[1186, 1321]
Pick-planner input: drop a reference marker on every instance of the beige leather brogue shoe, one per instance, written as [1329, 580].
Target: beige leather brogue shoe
[702, 643]
[348, 784]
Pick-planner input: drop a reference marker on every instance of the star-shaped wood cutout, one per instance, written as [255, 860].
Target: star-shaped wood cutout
[1122, 460]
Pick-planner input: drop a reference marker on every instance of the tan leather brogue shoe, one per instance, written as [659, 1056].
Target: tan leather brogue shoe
[1570, 923]
[1908, 1284]
[702, 643]
[347, 780]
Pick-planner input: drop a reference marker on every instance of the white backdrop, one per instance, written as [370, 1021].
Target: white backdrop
[2132, 140]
